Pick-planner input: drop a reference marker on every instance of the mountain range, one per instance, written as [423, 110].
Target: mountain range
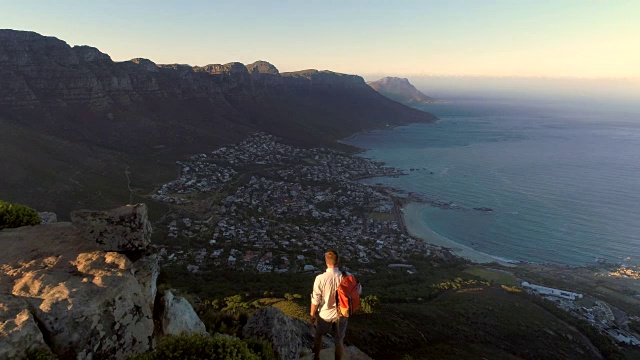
[81, 130]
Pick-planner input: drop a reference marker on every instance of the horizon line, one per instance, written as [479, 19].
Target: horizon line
[494, 76]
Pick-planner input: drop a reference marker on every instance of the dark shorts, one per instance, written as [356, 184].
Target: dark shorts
[338, 332]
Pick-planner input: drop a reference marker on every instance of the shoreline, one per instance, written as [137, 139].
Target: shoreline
[416, 227]
[387, 127]
[354, 135]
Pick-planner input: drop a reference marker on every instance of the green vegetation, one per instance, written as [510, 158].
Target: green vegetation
[297, 309]
[196, 347]
[447, 309]
[39, 354]
[262, 348]
[618, 299]
[370, 304]
[230, 319]
[15, 215]
[224, 322]
[606, 346]
[498, 277]
[221, 283]
[459, 284]
[487, 323]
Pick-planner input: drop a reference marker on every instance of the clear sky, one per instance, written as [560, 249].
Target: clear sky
[446, 37]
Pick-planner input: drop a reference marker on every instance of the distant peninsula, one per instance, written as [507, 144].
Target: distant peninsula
[400, 90]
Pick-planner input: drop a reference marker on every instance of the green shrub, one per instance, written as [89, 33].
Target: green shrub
[236, 303]
[196, 347]
[16, 215]
[225, 322]
[39, 354]
[262, 348]
[370, 304]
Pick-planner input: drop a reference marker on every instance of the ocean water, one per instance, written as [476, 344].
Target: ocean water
[563, 178]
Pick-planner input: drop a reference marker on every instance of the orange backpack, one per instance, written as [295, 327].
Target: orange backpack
[348, 295]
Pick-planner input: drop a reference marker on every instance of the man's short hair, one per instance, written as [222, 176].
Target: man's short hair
[331, 257]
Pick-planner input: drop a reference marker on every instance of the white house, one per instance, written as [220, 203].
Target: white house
[542, 290]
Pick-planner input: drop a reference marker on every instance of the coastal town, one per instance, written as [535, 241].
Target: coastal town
[279, 208]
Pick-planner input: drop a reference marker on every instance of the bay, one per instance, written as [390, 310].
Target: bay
[560, 177]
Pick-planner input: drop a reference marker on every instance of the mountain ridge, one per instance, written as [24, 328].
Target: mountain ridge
[77, 122]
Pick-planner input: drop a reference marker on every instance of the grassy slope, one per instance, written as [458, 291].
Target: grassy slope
[445, 311]
[52, 174]
[488, 322]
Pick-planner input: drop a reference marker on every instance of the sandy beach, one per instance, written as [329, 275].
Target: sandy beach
[416, 227]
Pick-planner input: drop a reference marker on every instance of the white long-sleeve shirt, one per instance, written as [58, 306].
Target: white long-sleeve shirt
[324, 293]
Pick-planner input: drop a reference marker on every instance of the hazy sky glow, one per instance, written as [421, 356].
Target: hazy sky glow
[489, 38]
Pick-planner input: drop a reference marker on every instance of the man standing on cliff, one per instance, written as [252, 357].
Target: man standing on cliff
[323, 299]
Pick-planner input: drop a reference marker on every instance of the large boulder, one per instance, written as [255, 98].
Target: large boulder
[19, 332]
[60, 290]
[147, 270]
[272, 325]
[292, 338]
[178, 316]
[126, 228]
[90, 306]
[47, 217]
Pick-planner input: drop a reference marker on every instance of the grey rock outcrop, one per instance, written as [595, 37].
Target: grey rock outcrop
[272, 325]
[19, 332]
[178, 316]
[291, 338]
[145, 64]
[59, 288]
[100, 312]
[126, 228]
[146, 270]
[87, 302]
[262, 67]
[47, 217]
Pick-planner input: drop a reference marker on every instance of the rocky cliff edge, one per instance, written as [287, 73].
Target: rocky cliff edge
[86, 289]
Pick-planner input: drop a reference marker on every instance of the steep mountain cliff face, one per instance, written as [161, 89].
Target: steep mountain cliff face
[45, 75]
[73, 120]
